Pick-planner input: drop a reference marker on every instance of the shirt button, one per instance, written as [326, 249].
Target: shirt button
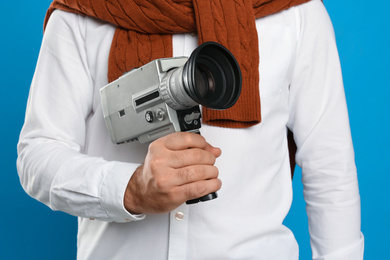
[179, 216]
[193, 34]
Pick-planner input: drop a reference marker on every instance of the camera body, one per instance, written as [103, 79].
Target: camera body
[164, 95]
[136, 106]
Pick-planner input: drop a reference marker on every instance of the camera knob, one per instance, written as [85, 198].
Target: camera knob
[193, 117]
[160, 115]
[149, 116]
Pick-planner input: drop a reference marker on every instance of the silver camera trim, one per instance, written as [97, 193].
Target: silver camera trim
[126, 101]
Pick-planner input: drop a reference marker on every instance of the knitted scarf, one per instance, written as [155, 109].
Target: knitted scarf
[144, 33]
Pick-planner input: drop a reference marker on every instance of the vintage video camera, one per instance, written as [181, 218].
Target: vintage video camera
[164, 95]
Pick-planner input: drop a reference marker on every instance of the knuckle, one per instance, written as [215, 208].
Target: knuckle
[215, 171]
[157, 147]
[172, 197]
[154, 165]
[178, 156]
[186, 174]
[160, 184]
[157, 162]
[200, 172]
[153, 146]
[197, 155]
[210, 160]
[192, 138]
[188, 137]
[200, 189]
[193, 173]
[219, 184]
[197, 190]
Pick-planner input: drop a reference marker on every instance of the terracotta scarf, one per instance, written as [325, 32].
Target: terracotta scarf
[145, 29]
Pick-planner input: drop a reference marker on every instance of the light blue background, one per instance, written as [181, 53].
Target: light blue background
[30, 230]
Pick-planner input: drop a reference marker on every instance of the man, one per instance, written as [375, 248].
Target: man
[130, 198]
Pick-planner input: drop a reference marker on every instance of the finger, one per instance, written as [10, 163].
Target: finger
[183, 140]
[189, 157]
[214, 150]
[199, 189]
[194, 174]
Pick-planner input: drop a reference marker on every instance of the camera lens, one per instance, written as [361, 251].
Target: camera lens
[210, 77]
[205, 83]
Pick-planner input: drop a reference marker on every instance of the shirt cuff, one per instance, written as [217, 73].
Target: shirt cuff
[352, 252]
[113, 189]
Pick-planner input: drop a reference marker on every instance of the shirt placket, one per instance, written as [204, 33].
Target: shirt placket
[178, 231]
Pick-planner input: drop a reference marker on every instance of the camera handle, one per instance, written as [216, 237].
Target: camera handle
[189, 121]
[207, 197]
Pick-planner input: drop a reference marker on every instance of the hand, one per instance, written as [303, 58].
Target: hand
[173, 174]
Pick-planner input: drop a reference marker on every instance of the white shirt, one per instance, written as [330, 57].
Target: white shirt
[67, 161]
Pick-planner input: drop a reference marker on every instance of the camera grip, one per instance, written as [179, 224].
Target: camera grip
[207, 197]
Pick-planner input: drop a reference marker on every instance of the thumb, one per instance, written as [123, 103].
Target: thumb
[214, 150]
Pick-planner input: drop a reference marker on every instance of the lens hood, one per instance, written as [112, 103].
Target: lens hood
[212, 76]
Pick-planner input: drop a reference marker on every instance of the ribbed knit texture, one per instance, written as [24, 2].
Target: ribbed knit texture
[145, 29]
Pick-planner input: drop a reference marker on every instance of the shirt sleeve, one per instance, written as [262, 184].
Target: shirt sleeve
[319, 120]
[51, 163]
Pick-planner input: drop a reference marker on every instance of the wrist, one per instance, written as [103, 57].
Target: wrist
[131, 203]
